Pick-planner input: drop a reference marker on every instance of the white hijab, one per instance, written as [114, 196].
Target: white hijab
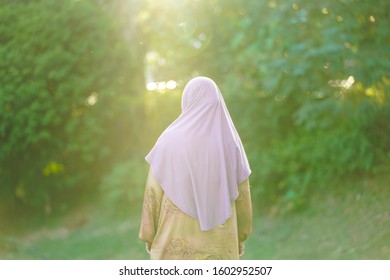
[199, 159]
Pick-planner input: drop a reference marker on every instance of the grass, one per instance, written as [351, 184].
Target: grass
[351, 221]
[92, 232]
[347, 222]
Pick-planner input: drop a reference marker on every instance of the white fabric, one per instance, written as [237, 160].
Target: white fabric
[199, 159]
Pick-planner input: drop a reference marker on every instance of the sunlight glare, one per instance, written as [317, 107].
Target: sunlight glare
[151, 57]
[161, 86]
[92, 99]
[196, 44]
[151, 86]
[346, 84]
[171, 84]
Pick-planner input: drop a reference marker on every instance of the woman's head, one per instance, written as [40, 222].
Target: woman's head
[200, 91]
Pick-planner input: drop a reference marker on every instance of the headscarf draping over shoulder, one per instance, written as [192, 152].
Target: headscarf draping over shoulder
[199, 159]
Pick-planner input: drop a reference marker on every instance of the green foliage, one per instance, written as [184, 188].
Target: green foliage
[68, 98]
[307, 85]
[124, 183]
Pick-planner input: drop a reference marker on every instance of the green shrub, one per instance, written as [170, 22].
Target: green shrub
[68, 99]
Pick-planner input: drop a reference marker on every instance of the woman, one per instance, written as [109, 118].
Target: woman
[197, 201]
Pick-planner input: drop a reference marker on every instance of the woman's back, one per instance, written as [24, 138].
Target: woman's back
[196, 166]
[175, 235]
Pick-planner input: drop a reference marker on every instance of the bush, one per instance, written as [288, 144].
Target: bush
[330, 140]
[68, 99]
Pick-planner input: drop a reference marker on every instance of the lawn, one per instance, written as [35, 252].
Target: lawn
[344, 222]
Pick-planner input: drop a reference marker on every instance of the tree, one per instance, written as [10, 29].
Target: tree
[307, 82]
[69, 98]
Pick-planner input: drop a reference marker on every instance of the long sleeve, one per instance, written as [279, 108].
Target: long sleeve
[151, 210]
[244, 213]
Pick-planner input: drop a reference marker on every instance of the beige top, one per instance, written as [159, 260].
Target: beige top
[171, 234]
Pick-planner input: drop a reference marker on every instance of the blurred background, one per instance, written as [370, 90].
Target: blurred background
[87, 86]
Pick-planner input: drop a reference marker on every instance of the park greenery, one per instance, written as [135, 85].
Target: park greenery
[306, 82]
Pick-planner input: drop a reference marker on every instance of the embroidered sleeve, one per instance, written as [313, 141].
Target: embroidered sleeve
[244, 211]
[150, 210]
